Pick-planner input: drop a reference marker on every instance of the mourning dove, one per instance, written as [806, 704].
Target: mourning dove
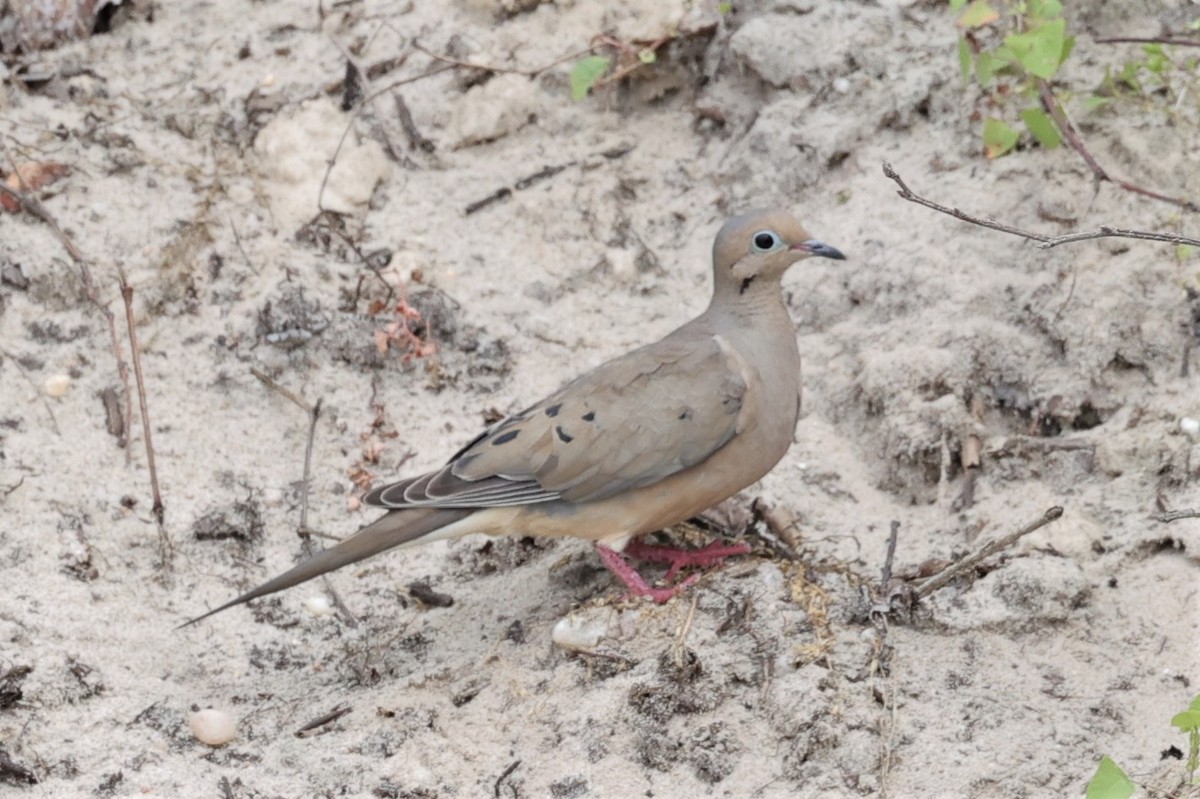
[640, 443]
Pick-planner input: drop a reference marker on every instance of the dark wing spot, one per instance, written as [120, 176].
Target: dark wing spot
[686, 415]
[553, 410]
[562, 434]
[505, 438]
[589, 416]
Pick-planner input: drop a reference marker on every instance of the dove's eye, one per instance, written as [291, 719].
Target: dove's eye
[765, 241]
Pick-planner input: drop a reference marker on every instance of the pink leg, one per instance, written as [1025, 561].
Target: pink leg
[637, 584]
[707, 557]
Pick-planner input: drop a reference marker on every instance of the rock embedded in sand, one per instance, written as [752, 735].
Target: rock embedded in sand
[582, 631]
[295, 149]
[57, 385]
[212, 727]
[496, 109]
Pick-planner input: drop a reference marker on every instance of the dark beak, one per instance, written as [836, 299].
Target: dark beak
[821, 249]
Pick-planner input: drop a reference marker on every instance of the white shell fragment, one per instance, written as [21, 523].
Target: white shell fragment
[57, 385]
[583, 631]
[1190, 426]
[212, 727]
[318, 606]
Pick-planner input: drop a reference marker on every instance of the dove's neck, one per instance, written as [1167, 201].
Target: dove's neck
[756, 321]
[750, 304]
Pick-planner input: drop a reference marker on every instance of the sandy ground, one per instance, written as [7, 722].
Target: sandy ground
[198, 134]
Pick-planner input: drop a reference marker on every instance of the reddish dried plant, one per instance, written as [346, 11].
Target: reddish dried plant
[401, 333]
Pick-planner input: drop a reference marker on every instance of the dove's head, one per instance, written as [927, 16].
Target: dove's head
[759, 246]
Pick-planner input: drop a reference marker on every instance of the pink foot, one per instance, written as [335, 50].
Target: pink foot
[706, 558]
[637, 584]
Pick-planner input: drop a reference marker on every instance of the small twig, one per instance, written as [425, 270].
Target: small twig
[445, 59]
[681, 639]
[778, 528]
[1176, 515]
[971, 460]
[886, 575]
[416, 140]
[306, 481]
[1174, 40]
[1050, 101]
[237, 239]
[136, 355]
[529, 73]
[1045, 242]
[503, 776]
[521, 184]
[286, 392]
[926, 587]
[320, 721]
[306, 535]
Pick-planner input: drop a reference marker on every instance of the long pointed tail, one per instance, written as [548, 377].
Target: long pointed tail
[396, 528]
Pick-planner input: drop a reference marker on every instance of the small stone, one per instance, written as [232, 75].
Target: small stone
[57, 385]
[623, 263]
[1190, 426]
[212, 727]
[318, 606]
[582, 632]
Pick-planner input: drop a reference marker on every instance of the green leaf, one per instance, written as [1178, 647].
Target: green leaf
[1002, 58]
[585, 73]
[1129, 77]
[978, 14]
[964, 58]
[1045, 9]
[1042, 126]
[647, 56]
[955, 5]
[1095, 101]
[1187, 720]
[998, 138]
[1109, 782]
[724, 8]
[985, 68]
[1195, 705]
[1041, 50]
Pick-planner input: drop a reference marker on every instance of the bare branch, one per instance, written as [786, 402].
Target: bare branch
[127, 296]
[926, 587]
[1176, 515]
[1044, 242]
[1054, 107]
[1179, 41]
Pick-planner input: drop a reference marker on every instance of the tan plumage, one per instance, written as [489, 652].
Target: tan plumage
[642, 442]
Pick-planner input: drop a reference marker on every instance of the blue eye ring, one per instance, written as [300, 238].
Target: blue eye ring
[765, 241]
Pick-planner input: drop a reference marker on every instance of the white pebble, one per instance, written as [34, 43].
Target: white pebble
[841, 85]
[212, 727]
[579, 633]
[623, 263]
[318, 606]
[272, 497]
[57, 385]
[1190, 426]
